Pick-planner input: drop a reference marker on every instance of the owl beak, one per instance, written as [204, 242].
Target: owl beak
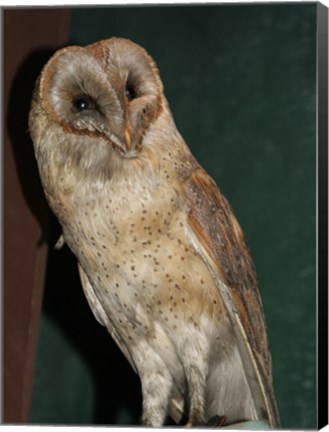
[127, 139]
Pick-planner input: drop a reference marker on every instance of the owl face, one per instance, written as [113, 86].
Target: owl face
[110, 91]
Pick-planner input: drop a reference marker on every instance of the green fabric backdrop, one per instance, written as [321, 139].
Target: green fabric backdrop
[241, 83]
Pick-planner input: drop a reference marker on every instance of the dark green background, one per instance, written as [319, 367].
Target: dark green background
[241, 83]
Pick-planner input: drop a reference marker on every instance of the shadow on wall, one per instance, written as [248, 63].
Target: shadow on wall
[17, 124]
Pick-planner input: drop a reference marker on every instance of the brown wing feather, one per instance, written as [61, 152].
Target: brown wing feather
[227, 255]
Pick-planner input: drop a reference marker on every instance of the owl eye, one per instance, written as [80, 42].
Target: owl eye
[82, 103]
[130, 91]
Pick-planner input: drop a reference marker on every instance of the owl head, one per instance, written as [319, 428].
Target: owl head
[108, 94]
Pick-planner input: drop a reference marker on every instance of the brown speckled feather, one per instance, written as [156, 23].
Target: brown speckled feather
[221, 242]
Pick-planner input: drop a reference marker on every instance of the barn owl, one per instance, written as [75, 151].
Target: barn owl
[162, 259]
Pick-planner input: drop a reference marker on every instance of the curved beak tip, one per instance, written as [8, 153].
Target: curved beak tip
[127, 139]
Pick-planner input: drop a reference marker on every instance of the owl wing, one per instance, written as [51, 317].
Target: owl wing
[218, 238]
[101, 316]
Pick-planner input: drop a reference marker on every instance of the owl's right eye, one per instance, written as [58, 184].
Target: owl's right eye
[82, 103]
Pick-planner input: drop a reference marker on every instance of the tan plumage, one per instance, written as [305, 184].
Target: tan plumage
[162, 259]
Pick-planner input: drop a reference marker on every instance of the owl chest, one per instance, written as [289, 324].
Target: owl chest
[125, 242]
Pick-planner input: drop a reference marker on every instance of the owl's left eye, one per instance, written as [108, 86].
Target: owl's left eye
[82, 103]
[130, 91]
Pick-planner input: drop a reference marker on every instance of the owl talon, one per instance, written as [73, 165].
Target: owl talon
[216, 421]
[60, 242]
